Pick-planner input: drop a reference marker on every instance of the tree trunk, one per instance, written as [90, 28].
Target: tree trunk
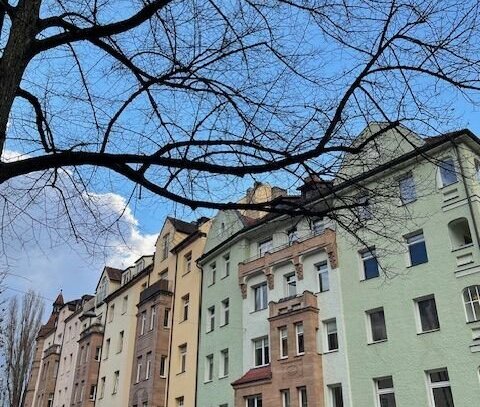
[15, 57]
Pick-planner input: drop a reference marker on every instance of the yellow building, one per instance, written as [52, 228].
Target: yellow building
[185, 322]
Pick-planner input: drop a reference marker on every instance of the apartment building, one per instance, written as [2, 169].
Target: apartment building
[220, 353]
[182, 372]
[410, 290]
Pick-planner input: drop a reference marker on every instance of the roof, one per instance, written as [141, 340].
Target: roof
[114, 274]
[255, 375]
[59, 300]
[182, 226]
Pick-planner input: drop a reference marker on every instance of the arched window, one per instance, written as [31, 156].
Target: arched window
[471, 297]
[460, 234]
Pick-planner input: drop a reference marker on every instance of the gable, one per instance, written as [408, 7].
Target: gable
[224, 225]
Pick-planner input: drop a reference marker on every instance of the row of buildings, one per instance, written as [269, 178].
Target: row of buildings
[376, 305]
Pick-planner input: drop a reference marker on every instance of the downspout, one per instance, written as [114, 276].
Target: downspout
[171, 330]
[469, 199]
[198, 330]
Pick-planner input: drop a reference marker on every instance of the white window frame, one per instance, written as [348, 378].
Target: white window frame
[182, 349]
[283, 334]
[224, 363]
[325, 325]
[299, 331]
[263, 303]
[225, 320]
[163, 365]
[436, 385]
[405, 200]
[364, 212]
[441, 180]
[209, 366]
[302, 392]
[255, 399]
[264, 343]
[143, 322]
[413, 239]
[116, 380]
[286, 401]
[153, 315]
[318, 227]
[288, 283]
[125, 305]
[148, 366]
[226, 265]
[470, 302]
[185, 306]
[323, 268]
[265, 246]
[331, 393]
[139, 369]
[370, 325]
[188, 263]
[418, 318]
[380, 392]
[211, 318]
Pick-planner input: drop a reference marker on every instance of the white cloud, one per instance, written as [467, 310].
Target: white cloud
[38, 243]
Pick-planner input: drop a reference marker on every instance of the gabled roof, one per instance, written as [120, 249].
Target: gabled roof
[114, 274]
[59, 300]
[182, 226]
[255, 375]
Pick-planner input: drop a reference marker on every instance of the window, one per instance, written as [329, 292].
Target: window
[166, 318]
[209, 368]
[213, 273]
[471, 296]
[139, 369]
[385, 395]
[163, 365]
[336, 395]
[98, 353]
[211, 319]
[93, 392]
[290, 285]
[111, 313]
[124, 304]
[148, 367]
[185, 305]
[107, 348]
[292, 235]
[224, 362]
[332, 335]
[143, 322]
[318, 227]
[323, 278]
[102, 387]
[417, 249]
[225, 311]
[260, 296]
[302, 397]
[407, 189]
[116, 377]
[448, 174]
[226, 265]
[120, 341]
[165, 245]
[300, 339]
[153, 317]
[427, 314]
[261, 348]
[254, 401]
[163, 275]
[283, 342]
[364, 209]
[182, 349]
[439, 388]
[188, 263]
[265, 246]
[460, 235]
[370, 263]
[180, 401]
[285, 394]
[378, 329]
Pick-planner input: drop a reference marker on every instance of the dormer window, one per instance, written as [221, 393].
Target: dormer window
[165, 246]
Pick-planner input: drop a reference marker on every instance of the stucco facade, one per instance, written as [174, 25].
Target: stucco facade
[442, 269]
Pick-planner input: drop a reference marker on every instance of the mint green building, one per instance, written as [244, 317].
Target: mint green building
[410, 278]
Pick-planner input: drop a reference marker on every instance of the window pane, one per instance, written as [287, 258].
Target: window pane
[407, 190]
[443, 397]
[440, 376]
[385, 383]
[379, 330]
[447, 172]
[418, 253]
[371, 268]
[428, 314]
[337, 396]
[387, 400]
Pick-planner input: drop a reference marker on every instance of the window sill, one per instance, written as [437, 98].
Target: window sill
[375, 342]
[208, 381]
[210, 284]
[465, 246]
[223, 377]
[224, 277]
[283, 358]
[330, 351]
[368, 279]
[417, 264]
[211, 330]
[221, 326]
[258, 310]
[180, 373]
[298, 355]
[427, 332]
[407, 203]
[442, 187]
[473, 322]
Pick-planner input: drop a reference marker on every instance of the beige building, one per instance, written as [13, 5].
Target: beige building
[185, 321]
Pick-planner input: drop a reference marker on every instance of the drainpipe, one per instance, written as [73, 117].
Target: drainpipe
[198, 330]
[469, 199]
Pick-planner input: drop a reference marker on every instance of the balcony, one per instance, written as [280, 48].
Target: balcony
[289, 253]
[95, 328]
[292, 304]
[52, 350]
[161, 286]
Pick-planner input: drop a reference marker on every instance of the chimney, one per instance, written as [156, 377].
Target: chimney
[315, 187]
